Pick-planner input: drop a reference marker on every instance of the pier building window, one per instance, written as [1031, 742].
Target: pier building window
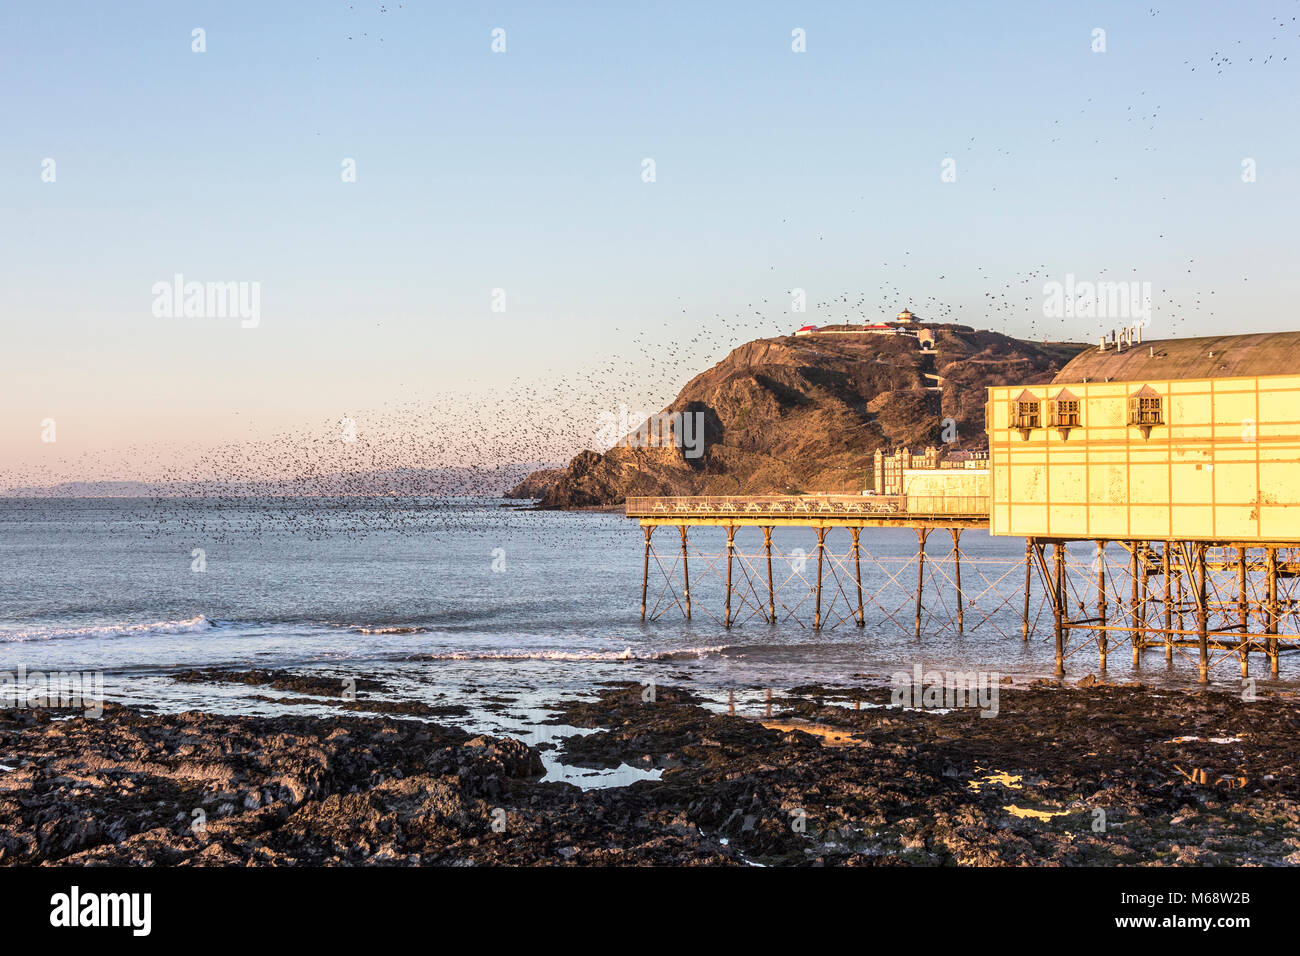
[1146, 410]
[1063, 413]
[1026, 413]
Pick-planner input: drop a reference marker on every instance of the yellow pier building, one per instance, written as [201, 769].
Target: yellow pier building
[1189, 438]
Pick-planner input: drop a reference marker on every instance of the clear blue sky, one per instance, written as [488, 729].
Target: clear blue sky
[522, 171]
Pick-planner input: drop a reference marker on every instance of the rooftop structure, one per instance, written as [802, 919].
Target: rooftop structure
[1214, 356]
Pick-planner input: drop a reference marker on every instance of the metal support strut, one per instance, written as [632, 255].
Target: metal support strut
[921, 534]
[645, 568]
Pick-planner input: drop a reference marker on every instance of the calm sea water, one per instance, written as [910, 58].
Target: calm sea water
[448, 598]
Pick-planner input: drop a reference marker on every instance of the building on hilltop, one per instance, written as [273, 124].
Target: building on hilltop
[907, 323]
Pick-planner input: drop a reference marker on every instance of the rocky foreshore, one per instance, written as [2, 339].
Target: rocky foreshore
[1061, 776]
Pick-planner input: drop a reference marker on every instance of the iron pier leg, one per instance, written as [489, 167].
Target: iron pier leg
[857, 573]
[771, 591]
[1243, 614]
[731, 547]
[956, 557]
[1058, 607]
[686, 573]
[1273, 612]
[1169, 607]
[1178, 597]
[1029, 560]
[921, 534]
[645, 568]
[821, 547]
[1101, 602]
[1144, 593]
[1202, 616]
[1135, 637]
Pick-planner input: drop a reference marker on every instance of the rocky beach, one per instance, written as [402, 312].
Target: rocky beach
[1074, 774]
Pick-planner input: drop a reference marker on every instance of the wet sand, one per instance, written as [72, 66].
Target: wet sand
[1063, 775]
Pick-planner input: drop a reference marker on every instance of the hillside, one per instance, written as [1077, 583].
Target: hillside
[806, 414]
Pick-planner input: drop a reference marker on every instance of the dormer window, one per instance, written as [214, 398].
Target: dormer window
[1026, 413]
[1063, 413]
[1145, 410]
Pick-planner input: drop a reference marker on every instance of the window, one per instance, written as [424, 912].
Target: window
[1145, 410]
[1025, 414]
[1065, 413]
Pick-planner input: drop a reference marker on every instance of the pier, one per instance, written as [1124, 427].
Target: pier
[820, 513]
[1205, 604]
[1156, 488]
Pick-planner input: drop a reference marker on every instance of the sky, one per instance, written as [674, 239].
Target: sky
[502, 275]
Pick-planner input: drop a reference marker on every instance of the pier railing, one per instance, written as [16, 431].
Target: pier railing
[793, 506]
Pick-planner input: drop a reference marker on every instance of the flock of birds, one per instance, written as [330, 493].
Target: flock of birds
[372, 463]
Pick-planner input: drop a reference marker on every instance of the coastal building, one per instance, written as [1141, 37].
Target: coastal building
[906, 323]
[894, 471]
[889, 469]
[947, 488]
[1183, 438]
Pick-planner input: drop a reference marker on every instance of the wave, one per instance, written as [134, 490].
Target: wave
[627, 654]
[191, 625]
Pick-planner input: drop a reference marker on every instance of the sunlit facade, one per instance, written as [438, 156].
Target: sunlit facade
[1117, 455]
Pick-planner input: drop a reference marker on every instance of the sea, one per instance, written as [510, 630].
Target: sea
[466, 600]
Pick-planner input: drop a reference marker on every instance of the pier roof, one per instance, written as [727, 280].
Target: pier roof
[1213, 356]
